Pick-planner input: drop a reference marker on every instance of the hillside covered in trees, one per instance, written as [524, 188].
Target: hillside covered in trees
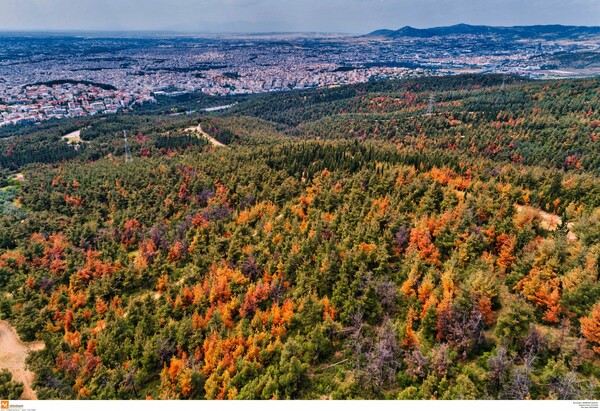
[422, 239]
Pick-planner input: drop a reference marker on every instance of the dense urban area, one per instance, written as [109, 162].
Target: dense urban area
[45, 76]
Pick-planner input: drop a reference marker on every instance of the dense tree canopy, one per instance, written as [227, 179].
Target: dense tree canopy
[352, 265]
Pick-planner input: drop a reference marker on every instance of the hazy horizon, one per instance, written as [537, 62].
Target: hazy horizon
[288, 16]
[275, 32]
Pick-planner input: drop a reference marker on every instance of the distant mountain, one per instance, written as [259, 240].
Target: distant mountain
[549, 32]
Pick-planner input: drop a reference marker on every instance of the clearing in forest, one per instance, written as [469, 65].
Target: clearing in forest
[12, 357]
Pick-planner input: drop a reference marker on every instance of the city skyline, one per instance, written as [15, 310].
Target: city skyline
[351, 16]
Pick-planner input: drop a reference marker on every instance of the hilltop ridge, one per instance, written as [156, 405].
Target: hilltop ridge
[554, 31]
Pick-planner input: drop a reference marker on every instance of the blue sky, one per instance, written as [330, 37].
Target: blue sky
[351, 16]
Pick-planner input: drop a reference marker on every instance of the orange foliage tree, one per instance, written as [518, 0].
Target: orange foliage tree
[543, 287]
[506, 246]
[590, 327]
[421, 240]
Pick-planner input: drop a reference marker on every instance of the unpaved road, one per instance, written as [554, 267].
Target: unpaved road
[206, 136]
[12, 356]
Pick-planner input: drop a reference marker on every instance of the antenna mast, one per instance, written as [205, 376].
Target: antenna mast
[128, 157]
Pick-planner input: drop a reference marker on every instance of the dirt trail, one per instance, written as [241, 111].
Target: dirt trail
[204, 134]
[12, 356]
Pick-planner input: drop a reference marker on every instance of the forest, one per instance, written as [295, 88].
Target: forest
[434, 238]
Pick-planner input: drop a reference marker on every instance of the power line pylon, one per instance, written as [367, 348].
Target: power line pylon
[128, 157]
[430, 104]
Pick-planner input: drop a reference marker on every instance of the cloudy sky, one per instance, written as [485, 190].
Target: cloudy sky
[350, 16]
